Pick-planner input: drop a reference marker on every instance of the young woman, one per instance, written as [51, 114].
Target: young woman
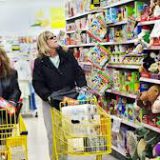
[9, 88]
[56, 74]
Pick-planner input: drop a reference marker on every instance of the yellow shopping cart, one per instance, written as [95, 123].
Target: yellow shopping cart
[83, 129]
[13, 137]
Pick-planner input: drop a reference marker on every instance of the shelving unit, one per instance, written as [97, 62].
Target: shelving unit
[82, 45]
[149, 80]
[101, 43]
[121, 66]
[118, 4]
[81, 15]
[136, 125]
[133, 96]
[147, 22]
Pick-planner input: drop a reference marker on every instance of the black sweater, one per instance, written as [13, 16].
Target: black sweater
[47, 78]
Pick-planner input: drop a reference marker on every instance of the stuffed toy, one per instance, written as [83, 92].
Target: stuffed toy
[156, 150]
[146, 99]
[146, 140]
[148, 61]
[154, 9]
[143, 40]
[156, 105]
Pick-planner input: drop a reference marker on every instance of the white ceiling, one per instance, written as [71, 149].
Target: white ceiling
[19, 14]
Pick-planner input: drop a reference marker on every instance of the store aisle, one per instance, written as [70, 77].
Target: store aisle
[37, 140]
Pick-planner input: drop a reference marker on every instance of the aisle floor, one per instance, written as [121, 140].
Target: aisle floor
[38, 143]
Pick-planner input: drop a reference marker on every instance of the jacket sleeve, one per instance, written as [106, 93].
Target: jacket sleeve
[79, 73]
[16, 93]
[38, 81]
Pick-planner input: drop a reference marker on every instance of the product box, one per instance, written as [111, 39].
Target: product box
[75, 145]
[99, 56]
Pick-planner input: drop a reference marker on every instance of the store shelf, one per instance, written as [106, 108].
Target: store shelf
[80, 30]
[117, 23]
[126, 122]
[115, 43]
[151, 127]
[85, 63]
[121, 93]
[102, 43]
[119, 151]
[134, 125]
[123, 66]
[82, 45]
[122, 2]
[81, 15]
[147, 22]
[149, 80]
[153, 48]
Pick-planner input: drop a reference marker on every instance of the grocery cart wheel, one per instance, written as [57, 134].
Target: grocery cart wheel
[99, 157]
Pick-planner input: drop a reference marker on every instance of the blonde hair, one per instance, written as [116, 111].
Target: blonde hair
[4, 64]
[42, 45]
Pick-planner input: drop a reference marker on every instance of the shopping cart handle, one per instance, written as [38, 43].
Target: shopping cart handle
[24, 133]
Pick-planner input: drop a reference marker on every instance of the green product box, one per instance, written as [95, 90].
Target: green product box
[139, 8]
[129, 10]
[135, 77]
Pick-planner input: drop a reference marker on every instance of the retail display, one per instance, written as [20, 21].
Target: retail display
[129, 32]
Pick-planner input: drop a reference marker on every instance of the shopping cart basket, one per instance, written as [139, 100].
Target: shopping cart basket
[13, 137]
[83, 129]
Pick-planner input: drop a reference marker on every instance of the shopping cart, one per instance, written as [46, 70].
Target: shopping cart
[13, 137]
[82, 129]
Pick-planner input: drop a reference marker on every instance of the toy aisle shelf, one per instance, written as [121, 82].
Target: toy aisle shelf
[117, 23]
[118, 3]
[149, 80]
[118, 43]
[81, 30]
[147, 22]
[136, 125]
[102, 43]
[100, 9]
[126, 122]
[82, 45]
[123, 66]
[153, 48]
[81, 15]
[133, 96]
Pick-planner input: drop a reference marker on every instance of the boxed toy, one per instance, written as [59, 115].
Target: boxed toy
[99, 56]
[97, 27]
[99, 81]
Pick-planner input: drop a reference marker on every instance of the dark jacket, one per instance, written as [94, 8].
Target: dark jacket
[9, 87]
[47, 78]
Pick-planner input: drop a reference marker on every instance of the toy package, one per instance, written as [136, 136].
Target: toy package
[99, 56]
[155, 34]
[129, 29]
[99, 81]
[97, 27]
[111, 15]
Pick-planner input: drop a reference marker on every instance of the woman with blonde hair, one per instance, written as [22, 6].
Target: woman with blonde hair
[56, 74]
[9, 88]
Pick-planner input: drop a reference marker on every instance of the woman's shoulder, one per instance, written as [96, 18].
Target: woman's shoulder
[13, 72]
